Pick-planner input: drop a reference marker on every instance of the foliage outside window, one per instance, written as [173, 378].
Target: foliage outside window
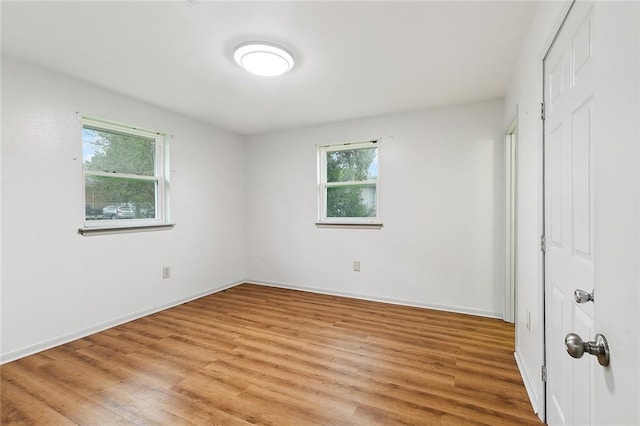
[348, 175]
[124, 182]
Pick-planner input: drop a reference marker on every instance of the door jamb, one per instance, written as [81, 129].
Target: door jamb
[511, 196]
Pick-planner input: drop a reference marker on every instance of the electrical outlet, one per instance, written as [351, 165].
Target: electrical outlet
[356, 265]
[166, 272]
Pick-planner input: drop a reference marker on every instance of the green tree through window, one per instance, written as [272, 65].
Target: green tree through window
[121, 180]
[345, 166]
[349, 180]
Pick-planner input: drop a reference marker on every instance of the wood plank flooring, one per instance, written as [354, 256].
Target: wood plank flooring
[261, 355]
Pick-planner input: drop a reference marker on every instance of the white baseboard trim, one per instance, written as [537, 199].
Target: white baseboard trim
[529, 385]
[383, 299]
[66, 338]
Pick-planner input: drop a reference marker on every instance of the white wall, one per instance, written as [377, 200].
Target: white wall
[58, 285]
[441, 201]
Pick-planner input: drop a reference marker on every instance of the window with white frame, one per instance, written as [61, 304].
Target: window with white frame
[124, 175]
[348, 183]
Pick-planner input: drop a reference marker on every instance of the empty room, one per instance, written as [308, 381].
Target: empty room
[320, 213]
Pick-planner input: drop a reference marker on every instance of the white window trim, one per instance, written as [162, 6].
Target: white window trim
[161, 177]
[344, 222]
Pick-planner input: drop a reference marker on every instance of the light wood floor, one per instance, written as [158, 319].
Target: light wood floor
[260, 355]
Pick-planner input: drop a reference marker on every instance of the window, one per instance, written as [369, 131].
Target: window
[124, 179]
[348, 183]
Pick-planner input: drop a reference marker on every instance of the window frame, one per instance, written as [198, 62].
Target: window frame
[323, 185]
[159, 177]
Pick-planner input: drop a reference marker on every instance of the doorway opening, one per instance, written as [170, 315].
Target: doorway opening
[511, 192]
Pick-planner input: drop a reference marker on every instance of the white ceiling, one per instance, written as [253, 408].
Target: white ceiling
[353, 59]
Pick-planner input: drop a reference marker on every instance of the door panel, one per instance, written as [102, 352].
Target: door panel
[581, 48]
[557, 368]
[582, 369]
[582, 228]
[554, 186]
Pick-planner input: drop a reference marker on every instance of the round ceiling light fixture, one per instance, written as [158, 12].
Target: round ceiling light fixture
[263, 58]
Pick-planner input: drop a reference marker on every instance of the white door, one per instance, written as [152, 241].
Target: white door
[569, 261]
[592, 191]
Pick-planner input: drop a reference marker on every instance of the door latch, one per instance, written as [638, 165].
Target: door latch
[582, 296]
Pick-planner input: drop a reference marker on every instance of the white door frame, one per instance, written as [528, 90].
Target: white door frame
[511, 186]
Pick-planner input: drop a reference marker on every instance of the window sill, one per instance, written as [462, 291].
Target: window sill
[349, 225]
[123, 229]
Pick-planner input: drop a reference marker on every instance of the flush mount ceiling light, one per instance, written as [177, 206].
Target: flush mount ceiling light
[263, 58]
